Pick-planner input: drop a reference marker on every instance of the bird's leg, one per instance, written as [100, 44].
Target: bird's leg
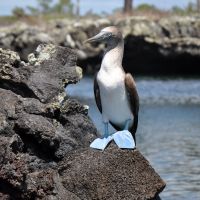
[127, 124]
[101, 143]
[106, 132]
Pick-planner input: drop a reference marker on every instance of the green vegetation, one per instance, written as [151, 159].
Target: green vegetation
[46, 7]
[190, 9]
[47, 10]
[18, 12]
[63, 6]
[147, 7]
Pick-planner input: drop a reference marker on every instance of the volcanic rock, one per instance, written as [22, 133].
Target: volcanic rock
[45, 137]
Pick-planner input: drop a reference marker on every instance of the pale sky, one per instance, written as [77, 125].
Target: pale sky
[97, 6]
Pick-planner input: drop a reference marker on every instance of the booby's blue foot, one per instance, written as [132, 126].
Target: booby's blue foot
[101, 143]
[124, 139]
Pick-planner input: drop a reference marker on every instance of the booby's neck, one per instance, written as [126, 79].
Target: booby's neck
[113, 55]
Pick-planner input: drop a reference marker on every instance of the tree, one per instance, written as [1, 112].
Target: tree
[146, 7]
[78, 8]
[18, 12]
[64, 6]
[198, 5]
[191, 8]
[33, 10]
[128, 6]
[45, 5]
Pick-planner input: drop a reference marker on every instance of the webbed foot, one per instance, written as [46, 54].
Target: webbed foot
[124, 139]
[101, 144]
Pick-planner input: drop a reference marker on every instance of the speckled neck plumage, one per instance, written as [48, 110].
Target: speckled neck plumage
[113, 54]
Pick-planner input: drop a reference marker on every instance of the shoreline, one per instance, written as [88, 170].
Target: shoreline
[168, 46]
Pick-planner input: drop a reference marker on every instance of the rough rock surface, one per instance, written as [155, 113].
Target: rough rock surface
[23, 38]
[45, 137]
[113, 174]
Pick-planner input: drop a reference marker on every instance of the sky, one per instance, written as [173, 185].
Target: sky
[97, 6]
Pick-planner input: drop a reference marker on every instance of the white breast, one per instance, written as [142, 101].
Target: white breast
[114, 100]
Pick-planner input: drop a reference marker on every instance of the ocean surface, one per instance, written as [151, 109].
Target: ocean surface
[169, 129]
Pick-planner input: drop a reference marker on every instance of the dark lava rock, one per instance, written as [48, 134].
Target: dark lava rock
[45, 137]
[38, 124]
[111, 174]
[44, 77]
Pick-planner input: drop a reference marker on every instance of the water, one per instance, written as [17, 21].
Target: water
[168, 133]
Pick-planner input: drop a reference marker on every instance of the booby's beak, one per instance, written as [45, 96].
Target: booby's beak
[98, 38]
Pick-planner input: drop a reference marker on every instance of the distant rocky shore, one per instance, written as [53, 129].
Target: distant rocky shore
[168, 45]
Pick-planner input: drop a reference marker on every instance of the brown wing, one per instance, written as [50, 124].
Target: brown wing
[133, 99]
[97, 94]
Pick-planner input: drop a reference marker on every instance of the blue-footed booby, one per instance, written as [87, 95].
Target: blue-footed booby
[115, 92]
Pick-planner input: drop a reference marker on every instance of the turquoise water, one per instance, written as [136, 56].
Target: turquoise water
[169, 130]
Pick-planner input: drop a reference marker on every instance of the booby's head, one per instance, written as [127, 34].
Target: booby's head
[109, 35]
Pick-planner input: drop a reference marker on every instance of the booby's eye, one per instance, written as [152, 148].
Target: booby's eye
[106, 35]
[109, 35]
